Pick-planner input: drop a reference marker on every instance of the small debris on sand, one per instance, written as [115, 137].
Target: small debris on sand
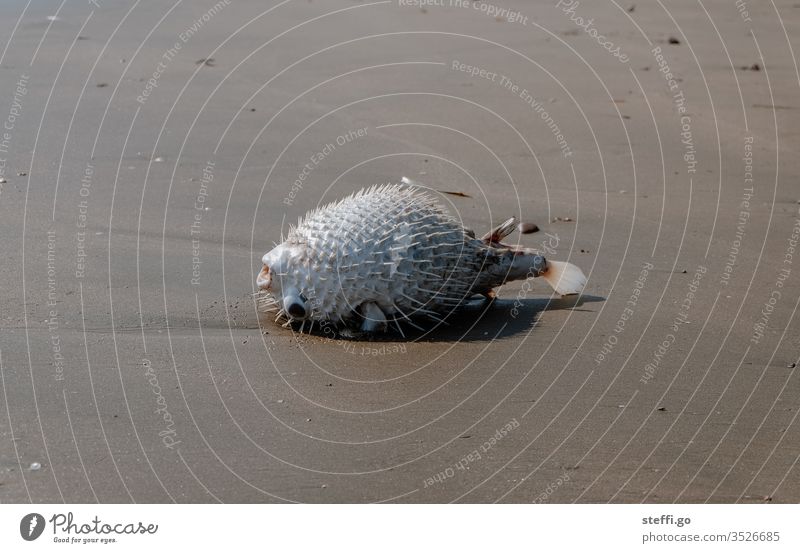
[460, 194]
[527, 228]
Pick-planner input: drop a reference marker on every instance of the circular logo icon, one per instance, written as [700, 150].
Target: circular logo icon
[31, 526]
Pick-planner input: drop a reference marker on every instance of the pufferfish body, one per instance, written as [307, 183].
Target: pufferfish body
[391, 254]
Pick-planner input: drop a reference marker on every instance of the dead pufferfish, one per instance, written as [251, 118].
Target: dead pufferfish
[392, 254]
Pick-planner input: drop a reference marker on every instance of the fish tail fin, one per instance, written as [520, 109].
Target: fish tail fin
[565, 278]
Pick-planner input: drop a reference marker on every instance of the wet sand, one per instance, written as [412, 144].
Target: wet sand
[151, 158]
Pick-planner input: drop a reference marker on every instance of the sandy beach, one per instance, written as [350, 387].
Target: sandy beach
[150, 155]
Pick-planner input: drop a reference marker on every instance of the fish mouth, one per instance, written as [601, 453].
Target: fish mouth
[264, 279]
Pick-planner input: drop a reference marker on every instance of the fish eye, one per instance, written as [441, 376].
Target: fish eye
[296, 310]
[294, 303]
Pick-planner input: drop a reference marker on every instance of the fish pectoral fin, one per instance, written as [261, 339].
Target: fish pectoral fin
[374, 317]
